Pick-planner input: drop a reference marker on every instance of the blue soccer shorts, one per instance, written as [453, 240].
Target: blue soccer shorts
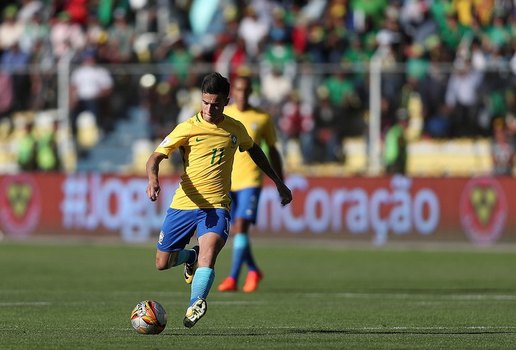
[244, 204]
[180, 225]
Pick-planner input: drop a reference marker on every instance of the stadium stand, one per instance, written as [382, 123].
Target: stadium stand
[156, 52]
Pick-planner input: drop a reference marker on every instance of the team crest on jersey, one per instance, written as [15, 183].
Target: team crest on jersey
[233, 141]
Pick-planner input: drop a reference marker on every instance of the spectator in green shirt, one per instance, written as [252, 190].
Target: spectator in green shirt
[395, 146]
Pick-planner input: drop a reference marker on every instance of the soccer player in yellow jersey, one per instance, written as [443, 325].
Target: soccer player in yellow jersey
[208, 142]
[246, 183]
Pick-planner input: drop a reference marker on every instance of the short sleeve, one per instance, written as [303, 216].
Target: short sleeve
[178, 137]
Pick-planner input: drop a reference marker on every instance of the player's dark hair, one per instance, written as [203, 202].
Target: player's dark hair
[215, 83]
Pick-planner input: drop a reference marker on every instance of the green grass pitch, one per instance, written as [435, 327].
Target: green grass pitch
[313, 296]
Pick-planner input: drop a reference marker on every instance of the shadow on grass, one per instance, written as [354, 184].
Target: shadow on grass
[344, 331]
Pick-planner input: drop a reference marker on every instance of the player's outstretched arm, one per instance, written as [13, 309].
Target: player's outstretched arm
[261, 160]
[152, 169]
[275, 160]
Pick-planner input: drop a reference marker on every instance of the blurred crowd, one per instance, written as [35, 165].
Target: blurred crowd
[448, 65]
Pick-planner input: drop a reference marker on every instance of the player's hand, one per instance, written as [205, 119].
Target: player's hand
[153, 190]
[285, 194]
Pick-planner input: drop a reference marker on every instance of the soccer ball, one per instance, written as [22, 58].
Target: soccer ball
[149, 317]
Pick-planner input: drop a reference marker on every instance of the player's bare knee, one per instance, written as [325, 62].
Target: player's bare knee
[166, 261]
[161, 264]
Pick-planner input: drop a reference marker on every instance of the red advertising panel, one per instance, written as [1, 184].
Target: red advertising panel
[376, 210]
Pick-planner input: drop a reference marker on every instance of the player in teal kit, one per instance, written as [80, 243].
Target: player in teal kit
[207, 142]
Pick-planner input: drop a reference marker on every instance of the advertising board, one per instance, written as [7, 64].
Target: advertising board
[376, 210]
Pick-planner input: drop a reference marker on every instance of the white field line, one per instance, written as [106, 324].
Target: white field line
[348, 295]
[25, 303]
[422, 298]
[417, 296]
[214, 299]
[343, 329]
[379, 328]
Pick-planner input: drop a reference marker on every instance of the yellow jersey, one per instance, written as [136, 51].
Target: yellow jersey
[208, 151]
[260, 127]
